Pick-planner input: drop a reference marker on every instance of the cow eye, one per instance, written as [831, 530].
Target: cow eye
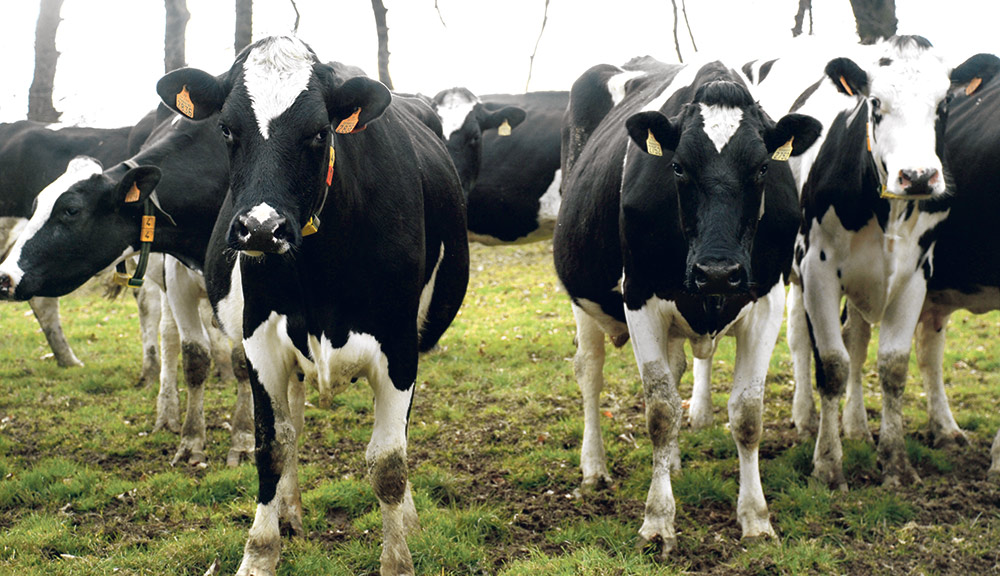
[763, 171]
[876, 104]
[321, 136]
[678, 170]
[71, 211]
[226, 132]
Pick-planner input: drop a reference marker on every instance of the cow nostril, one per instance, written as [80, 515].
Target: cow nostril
[4, 285]
[283, 231]
[240, 228]
[736, 276]
[700, 276]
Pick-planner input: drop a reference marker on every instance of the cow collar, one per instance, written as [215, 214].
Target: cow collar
[883, 177]
[312, 226]
[146, 234]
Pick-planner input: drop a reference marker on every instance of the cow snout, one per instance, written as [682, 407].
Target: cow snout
[254, 235]
[719, 277]
[918, 182]
[6, 287]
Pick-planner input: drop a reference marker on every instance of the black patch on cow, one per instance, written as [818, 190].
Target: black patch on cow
[884, 61]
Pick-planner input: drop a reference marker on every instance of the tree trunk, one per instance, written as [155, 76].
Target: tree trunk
[173, 36]
[40, 106]
[244, 24]
[383, 43]
[875, 19]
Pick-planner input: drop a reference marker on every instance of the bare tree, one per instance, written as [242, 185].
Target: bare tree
[40, 106]
[804, 5]
[531, 62]
[875, 19]
[383, 43]
[677, 43]
[174, 34]
[244, 24]
[684, 10]
[440, 16]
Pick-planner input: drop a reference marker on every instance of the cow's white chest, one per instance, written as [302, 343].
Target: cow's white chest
[360, 356]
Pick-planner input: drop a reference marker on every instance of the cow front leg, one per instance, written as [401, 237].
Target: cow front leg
[388, 473]
[930, 339]
[588, 365]
[168, 404]
[857, 334]
[242, 435]
[804, 415]
[700, 408]
[148, 301]
[47, 313]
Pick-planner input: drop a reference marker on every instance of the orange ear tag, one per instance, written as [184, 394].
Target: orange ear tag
[329, 169]
[148, 226]
[347, 124]
[504, 129]
[847, 88]
[784, 152]
[973, 85]
[184, 103]
[133, 194]
[652, 145]
[868, 128]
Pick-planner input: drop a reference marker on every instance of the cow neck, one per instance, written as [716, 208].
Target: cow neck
[312, 226]
[146, 234]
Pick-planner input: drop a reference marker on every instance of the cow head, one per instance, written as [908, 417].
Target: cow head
[717, 153]
[282, 114]
[83, 221]
[463, 120]
[904, 94]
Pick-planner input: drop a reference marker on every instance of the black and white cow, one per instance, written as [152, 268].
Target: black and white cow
[677, 224]
[874, 202]
[341, 248]
[512, 185]
[32, 155]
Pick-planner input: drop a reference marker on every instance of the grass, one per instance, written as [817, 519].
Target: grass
[86, 488]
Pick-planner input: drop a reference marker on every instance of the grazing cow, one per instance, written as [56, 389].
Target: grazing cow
[88, 220]
[32, 155]
[512, 185]
[676, 187]
[875, 204]
[341, 249]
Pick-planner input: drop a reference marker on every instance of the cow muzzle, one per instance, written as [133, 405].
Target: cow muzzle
[917, 184]
[718, 277]
[261, 232]
[7, 286]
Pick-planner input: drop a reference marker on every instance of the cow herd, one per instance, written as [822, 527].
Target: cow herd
[327, 221]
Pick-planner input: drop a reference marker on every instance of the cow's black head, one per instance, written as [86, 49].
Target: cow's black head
[718, 151]
[282, 114]
[463, 120]
[83, 221]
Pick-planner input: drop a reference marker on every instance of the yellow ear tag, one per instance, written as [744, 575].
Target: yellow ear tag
[148, 226]
[329, 170]
[847, 88]
[184, 103]
[784, 152]
[347, 124]
[504, 129]
[652, 146]
[973, 85]
[133, 194]
[311, 227]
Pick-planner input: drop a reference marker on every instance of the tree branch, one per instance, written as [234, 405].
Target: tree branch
[687, 23]
[531, 63]
[677, 43]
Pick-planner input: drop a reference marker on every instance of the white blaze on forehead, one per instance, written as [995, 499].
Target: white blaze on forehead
[454, 108]
[262, 212]
[720, 123]
[616, 84]
[275, 73]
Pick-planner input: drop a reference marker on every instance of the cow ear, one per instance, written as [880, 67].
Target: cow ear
[191, 92]
[847, 76]
[136, 186]
[652, 132]
[974, 72]
[490, 118]
[800, 129]
[356, 102]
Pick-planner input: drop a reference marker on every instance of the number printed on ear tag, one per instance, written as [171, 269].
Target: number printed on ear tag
[652, 145]
[184, 103]
[784, 152]
[504, 129]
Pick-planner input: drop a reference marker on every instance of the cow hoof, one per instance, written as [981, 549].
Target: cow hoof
[994, 474]
[195, 456]
[950, 439]
[904, 477]
[167, 424]
[593, 485]
[832, 477]
[665, 546]
[701, 419]
[69, 362]
[238, 456]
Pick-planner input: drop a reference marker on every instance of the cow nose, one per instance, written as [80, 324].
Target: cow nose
[6, 287]
[273, 235]
[918, 181]
[719, 277]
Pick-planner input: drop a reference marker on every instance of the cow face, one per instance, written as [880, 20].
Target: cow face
[718, 151]
[464, 119]
[82, 222]
[282, 113]
[905, 95]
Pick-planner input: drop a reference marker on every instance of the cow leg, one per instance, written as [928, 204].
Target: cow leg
[895, 339]
[241, 437]
[649, 331]
[269, 365]
[755, 340]
[387, 471]
[804, 414]
[700, 408]
[221, 349]
[148, 300]
[47, 313]
[857, 334]
[588, 364]
[168, 411]
[994, 471]
[930, 339]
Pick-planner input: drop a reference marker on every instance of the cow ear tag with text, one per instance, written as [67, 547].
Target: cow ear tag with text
[504, 129]
[133, 194]
[784, 152]
[652, 145]
[347, 125]
[184, 103]
[973, 85]
[312, 226]
[329, 169]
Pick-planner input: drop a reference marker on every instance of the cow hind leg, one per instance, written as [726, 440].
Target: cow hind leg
[588, 364]
[241, 437]
[857, 334]
[804, 415]
[930, 339]
[148, 301]
[47, 313]
[994, 471]
[168, 411]
[700, 408]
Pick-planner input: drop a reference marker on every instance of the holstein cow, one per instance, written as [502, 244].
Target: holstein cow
[511, 178]
[874, 203]
[677, 223]
[341, 248]
[89, 219]
[33, 154]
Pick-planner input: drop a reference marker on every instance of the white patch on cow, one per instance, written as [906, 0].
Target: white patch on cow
[616, 84]
[720, 123]
[275, 73]
[428, 292]
[608, 324]
[454, 108]
[262, 212]
[683, 78]
[360, 356]
[79, 168]
[229, 310]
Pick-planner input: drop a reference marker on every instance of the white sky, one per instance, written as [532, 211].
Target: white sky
[112, 50]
